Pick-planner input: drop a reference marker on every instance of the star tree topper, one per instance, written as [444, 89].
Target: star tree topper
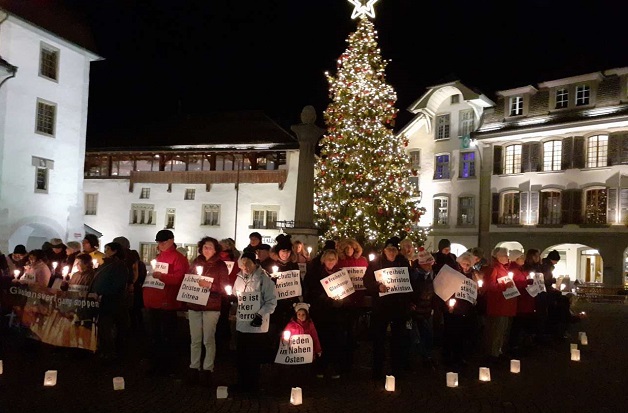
[362, 9]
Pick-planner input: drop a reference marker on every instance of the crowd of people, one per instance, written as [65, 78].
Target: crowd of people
[417, 324]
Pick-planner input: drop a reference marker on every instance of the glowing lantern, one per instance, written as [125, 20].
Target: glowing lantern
[118, 383]
[575, 355]
[515, 366]
[485, 374]
[222, 392]
[296, 396]
[452, 379]
[50, 378]
[390, 383]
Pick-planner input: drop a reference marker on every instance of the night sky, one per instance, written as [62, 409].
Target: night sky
[189, 56]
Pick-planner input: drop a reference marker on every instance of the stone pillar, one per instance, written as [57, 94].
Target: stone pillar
[308, 135]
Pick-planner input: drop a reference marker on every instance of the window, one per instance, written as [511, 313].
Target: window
[516, 106]
[455, 99]
[46, 115]
[466, 210]
[583, 93]
[442, 127]
[121, 167]
[211, 215]
[552, 155]
[467, 164]
[170, 212]
[441, 171]
[42, 166]
[510, 208]
[265, 217]
[597, 151]
[595, 202]
[49, 62]
[413, 181]
[148, 251]
[441, 210]
[415, 159]
[142, 214]
[91, 203]
[190, 194]
[562, 98]
[175, 165]
[551, 207]
[466, 122]
[145, 193]
[512, 160]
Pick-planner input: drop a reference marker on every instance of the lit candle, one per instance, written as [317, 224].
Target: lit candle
[16, 273]
[275, 269]
[562, 287]
[371, 257]
[199, 269]
[296, 396]
[531, 275]
[515, 366]
[50, 378]
[452, 379]
[286, 335]
[575, 355]
[153, 263]
[390, 383]
[65, 271]
[510, 274]
[228, 289]
[118, 383]
[309, 250]
[480, 283]
[55, 264]
[95, 263]
[485, 374]
[452, 303]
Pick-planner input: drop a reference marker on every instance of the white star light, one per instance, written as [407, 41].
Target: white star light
[362, 9]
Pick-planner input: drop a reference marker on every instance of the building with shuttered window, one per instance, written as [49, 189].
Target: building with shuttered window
[555, 173]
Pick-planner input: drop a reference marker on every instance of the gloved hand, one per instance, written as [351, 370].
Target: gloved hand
[257, 321]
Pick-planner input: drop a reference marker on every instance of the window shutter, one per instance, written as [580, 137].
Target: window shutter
[566, 206]
[535, 157]
[578, 152]
[495, 209]
[525, 158]
[523, 207]
[566, 161]
[623, 156]
[498, 168]
[611, 206]
[576, 206]
[534, 208]
[614, 149]
[623, 205]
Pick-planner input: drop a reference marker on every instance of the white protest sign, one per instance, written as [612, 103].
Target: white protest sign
[288, 284]
[229, 265]
[191, 292]
[468, 291]
[56, 285]
[338, 285]
[448, 282]
[302, 269]
[29, 278]
[298, 349]
[396, 279]
[533, 289]
[248, 305]
[161, 267]
[357, 277]
[78, 288]
[511, 290]
[151, 282]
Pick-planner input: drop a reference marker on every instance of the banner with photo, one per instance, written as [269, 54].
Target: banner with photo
[59, 318]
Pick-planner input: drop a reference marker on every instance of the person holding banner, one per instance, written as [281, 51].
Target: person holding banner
[257, 300]
[160, 299]
[204, 318]
[37, 271]
[302, 324]
[389, 309]
[499, 309]
[85, 274]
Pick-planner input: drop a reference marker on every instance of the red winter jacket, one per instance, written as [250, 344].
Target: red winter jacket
[294, 326]
[166, 299]
[228, 256]
[496, 303]
[525, 302]
[216, 269]
[357, 299]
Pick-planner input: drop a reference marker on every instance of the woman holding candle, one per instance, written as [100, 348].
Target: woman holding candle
[204, 318]
[37, 272]
[85, 274]
[17, 260]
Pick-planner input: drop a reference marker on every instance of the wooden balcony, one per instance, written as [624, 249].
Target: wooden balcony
[208, 178]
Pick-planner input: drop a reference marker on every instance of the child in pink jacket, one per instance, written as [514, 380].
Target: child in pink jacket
[301, 323]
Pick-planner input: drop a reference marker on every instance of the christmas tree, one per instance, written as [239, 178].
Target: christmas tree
[362, 187]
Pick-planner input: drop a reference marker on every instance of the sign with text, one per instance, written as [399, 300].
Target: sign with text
[191, 292]
[538, 286]
[161, 267]
[288, 284]
[448, 282]
[511, 289]
[338, 285]
[151, 282]
[396, 279]
[302, 269]
[468, 291]
[248, 305]
[357, 277]
[298, 349]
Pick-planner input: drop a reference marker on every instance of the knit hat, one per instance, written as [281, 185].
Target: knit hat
[56, 243]
[20, 249]
[443, 243]
[330, 244]
[164, 235]
[301, 306]
[553, 255]
[284, 242]
[424, 256]
[514, 255]
[123, 241]
[392, 242]
[249, 255]
[466, 257]
[75, 245]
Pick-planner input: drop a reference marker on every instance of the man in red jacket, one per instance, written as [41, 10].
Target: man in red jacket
[160, 298]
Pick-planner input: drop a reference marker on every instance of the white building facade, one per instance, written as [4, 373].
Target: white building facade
[43, 119]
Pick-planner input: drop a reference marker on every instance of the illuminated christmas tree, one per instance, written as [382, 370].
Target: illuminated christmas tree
[362, 187]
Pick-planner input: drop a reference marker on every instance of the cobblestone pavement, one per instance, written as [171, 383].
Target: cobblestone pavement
[548, 382]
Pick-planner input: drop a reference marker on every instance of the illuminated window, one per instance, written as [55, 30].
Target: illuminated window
[551, 208]
[510, 208]
[46, 116]
[512, 159]
[49, 62]
[442, 127]
[441, 170]
[552, 155]
[467, 164]
[597, 151]
[562, 98]
[516, 106]
[583, 93]
[595, 202]
[441, 210]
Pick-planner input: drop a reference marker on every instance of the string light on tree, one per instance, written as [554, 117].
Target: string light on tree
[362, 187]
